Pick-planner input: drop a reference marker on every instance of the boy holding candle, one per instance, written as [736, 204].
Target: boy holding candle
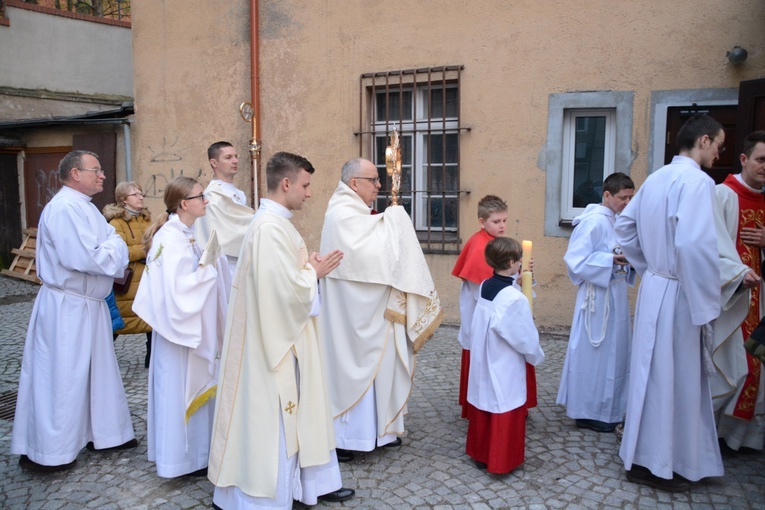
[504, 342]
[593, 385]
[472, 269]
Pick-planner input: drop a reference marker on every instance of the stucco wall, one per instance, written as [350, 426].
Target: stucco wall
[43, 51]
[192, 70]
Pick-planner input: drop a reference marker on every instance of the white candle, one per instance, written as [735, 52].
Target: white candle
[526, 260]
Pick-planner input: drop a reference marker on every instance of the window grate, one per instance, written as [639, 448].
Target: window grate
[423, 105]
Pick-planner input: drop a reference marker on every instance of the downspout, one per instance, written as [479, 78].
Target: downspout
[128, 156]
[255, 101]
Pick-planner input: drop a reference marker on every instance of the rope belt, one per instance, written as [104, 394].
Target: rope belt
[65, 291]
[663, 275]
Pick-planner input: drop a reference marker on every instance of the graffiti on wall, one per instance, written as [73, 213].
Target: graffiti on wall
[46, 184]
[166, 164]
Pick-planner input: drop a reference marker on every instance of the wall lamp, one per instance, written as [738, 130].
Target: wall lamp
[737, 55]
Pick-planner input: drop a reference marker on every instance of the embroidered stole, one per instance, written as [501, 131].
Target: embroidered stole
[751, 207]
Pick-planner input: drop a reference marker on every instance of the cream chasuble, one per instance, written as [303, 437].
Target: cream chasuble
[267, 329]
[379, 306]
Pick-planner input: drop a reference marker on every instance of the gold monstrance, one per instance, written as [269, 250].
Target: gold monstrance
[393, 166]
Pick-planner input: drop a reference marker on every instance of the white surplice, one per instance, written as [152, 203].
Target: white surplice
[228, 214]
[504, 339]
[729, 354]
[272, 438]
[377, 305]
[595, 373]
[186, 307]
[70, 390]
[667, 233]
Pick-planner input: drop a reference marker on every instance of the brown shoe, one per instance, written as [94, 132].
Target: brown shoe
[642, 476]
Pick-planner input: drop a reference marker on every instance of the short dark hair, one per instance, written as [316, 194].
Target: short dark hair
[72, 160]
[616, 182]
[213, 151]
[285, 164]
[500, 252]
[694, 128]
[490, 204]
[751, 141]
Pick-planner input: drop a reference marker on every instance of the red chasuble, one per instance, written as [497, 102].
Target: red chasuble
[751, 213]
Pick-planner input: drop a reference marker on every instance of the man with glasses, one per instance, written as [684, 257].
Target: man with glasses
[70, 391]
[227, 210]
[667, 232]
[376, 305]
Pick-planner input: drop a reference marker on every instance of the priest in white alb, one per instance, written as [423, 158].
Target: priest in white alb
[272, 440]
[667, 233]
[378, 307]
[227, 210]
[70, 389]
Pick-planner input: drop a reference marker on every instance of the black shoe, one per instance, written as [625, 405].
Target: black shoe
[344, 455]
[339, 495]
[480, 465]
[642, 476]
[30, 465]
[124, 446]
[597, 426]
[392, 444]
[198, 472]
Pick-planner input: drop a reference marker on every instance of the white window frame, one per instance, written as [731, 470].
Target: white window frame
[568, 211]
[552, 159]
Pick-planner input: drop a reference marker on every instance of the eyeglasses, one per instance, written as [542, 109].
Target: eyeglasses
[137, 194]
[720, 146]
[98, 171]
[202, 196]
[375, 180]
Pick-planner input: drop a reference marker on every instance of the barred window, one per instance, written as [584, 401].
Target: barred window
[423, 105]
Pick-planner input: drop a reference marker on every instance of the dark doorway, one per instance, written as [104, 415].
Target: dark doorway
[10, 208]
[41, 180]
[725, 115]
[751, 110]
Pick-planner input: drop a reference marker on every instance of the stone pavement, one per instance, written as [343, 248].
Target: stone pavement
[565, 467]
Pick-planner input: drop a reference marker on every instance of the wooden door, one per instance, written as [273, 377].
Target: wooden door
[751, 112]
[10, 208]
[725, 115]
[41, 180]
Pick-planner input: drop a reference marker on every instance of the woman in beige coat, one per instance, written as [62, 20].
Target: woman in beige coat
[130, 218]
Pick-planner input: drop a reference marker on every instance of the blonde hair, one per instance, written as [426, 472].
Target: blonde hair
[122, 191]
[176, 191]
[490, 204]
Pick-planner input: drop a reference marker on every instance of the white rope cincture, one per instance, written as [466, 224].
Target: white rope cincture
[588, 306]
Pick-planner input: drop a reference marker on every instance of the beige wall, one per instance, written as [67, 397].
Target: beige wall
[191, 64]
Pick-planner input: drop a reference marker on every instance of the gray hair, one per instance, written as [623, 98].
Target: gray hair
[72, 160]
[351, 169]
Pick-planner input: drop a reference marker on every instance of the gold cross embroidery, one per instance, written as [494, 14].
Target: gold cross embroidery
[290, 407]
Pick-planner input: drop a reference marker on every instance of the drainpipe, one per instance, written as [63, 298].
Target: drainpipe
[128, 156]
[255, 100]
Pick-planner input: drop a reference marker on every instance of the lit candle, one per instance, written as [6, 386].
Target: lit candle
[526, 288]
[526, 260]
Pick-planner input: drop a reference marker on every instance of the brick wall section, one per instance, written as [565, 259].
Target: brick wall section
[58, 12]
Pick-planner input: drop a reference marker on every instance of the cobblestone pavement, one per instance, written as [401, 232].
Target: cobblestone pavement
[565, 467]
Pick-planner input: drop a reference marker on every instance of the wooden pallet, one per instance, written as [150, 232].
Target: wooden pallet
[23, 265]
